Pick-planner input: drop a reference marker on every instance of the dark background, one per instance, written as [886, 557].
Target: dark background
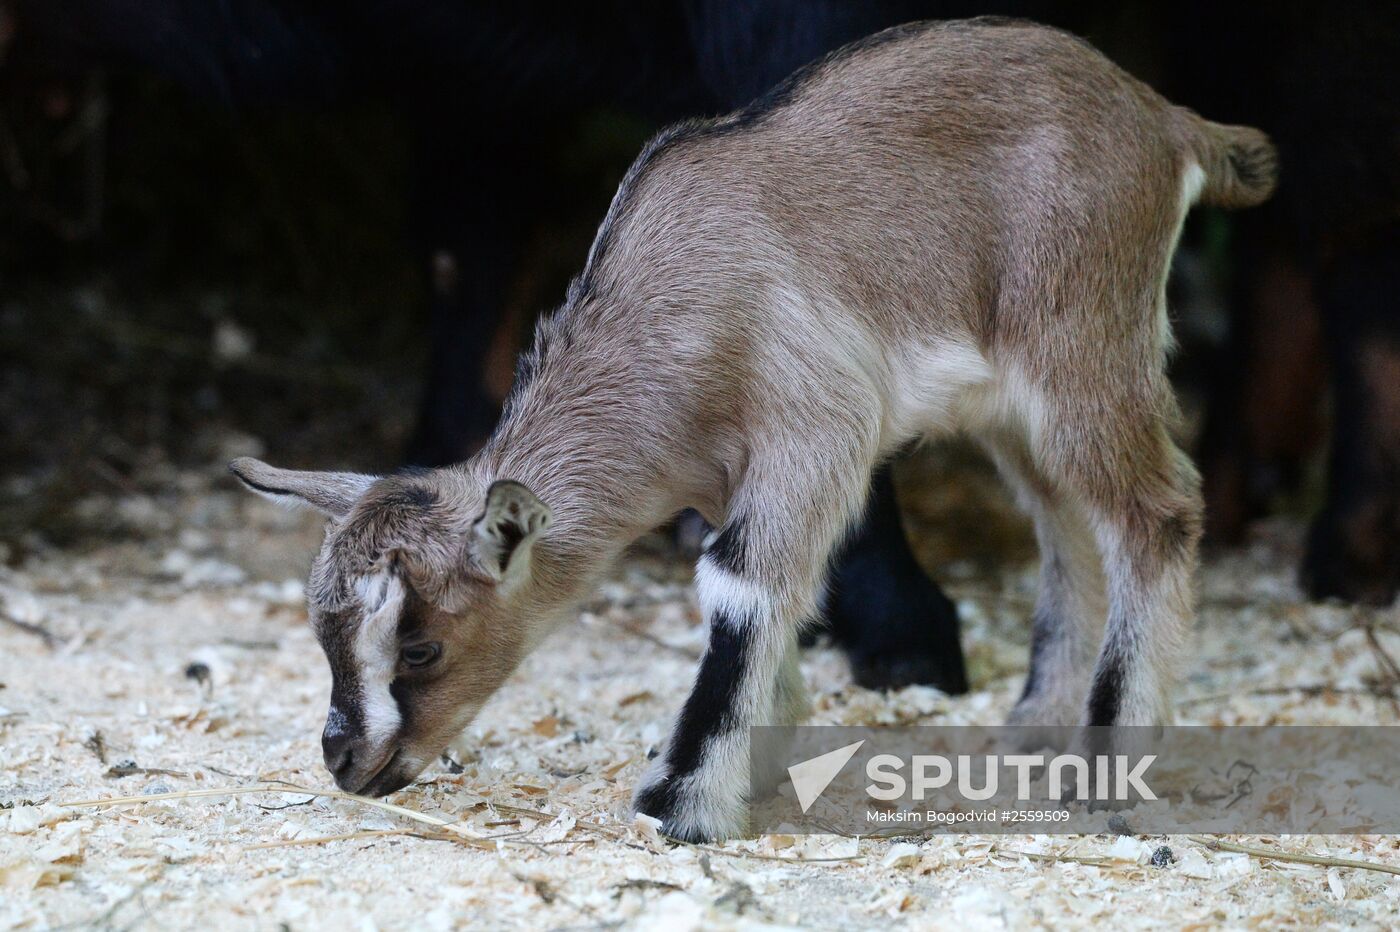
[206, 252]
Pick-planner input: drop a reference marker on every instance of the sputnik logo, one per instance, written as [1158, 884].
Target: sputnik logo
[811, 777]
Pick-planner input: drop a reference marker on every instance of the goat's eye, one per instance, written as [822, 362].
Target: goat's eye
[418, 656]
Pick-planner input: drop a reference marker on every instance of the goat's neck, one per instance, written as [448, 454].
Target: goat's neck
[591, 446]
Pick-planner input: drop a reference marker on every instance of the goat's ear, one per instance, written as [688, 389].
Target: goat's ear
[333, 493]
[501, 538]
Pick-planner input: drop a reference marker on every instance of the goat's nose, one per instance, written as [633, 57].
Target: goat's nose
[339, 752]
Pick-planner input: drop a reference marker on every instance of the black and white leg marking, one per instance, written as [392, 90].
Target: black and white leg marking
[698, 785]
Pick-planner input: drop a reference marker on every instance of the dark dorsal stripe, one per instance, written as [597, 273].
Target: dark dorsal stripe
[746, 117]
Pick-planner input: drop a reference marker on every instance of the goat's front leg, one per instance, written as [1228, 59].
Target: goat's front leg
[749, 676]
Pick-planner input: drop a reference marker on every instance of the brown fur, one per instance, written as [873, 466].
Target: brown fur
[946, 226]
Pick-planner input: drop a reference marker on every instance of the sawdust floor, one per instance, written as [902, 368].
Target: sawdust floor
[174, 650]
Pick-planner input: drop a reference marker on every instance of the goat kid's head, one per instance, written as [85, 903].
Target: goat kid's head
[422, 611]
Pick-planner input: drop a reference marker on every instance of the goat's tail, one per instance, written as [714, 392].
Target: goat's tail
[1240, 163]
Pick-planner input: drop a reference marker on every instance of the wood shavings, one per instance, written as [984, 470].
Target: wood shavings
[902, 854]
[1335, 886]
[242, 834]
[546, 727]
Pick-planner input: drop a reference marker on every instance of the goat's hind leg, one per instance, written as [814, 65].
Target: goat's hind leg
[1144, 502]
[1069, 612]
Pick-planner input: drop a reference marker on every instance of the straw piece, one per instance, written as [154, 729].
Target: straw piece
[376, 833]
[215, 792]
[1091, 860]
[1219, 844]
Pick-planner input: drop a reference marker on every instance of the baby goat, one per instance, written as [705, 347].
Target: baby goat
[946, 226]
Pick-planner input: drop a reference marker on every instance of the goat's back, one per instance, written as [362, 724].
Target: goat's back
[934, 168]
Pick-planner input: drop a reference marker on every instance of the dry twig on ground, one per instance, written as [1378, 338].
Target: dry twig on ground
[1220, 844]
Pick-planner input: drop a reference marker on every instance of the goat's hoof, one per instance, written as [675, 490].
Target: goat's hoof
[685, 815]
